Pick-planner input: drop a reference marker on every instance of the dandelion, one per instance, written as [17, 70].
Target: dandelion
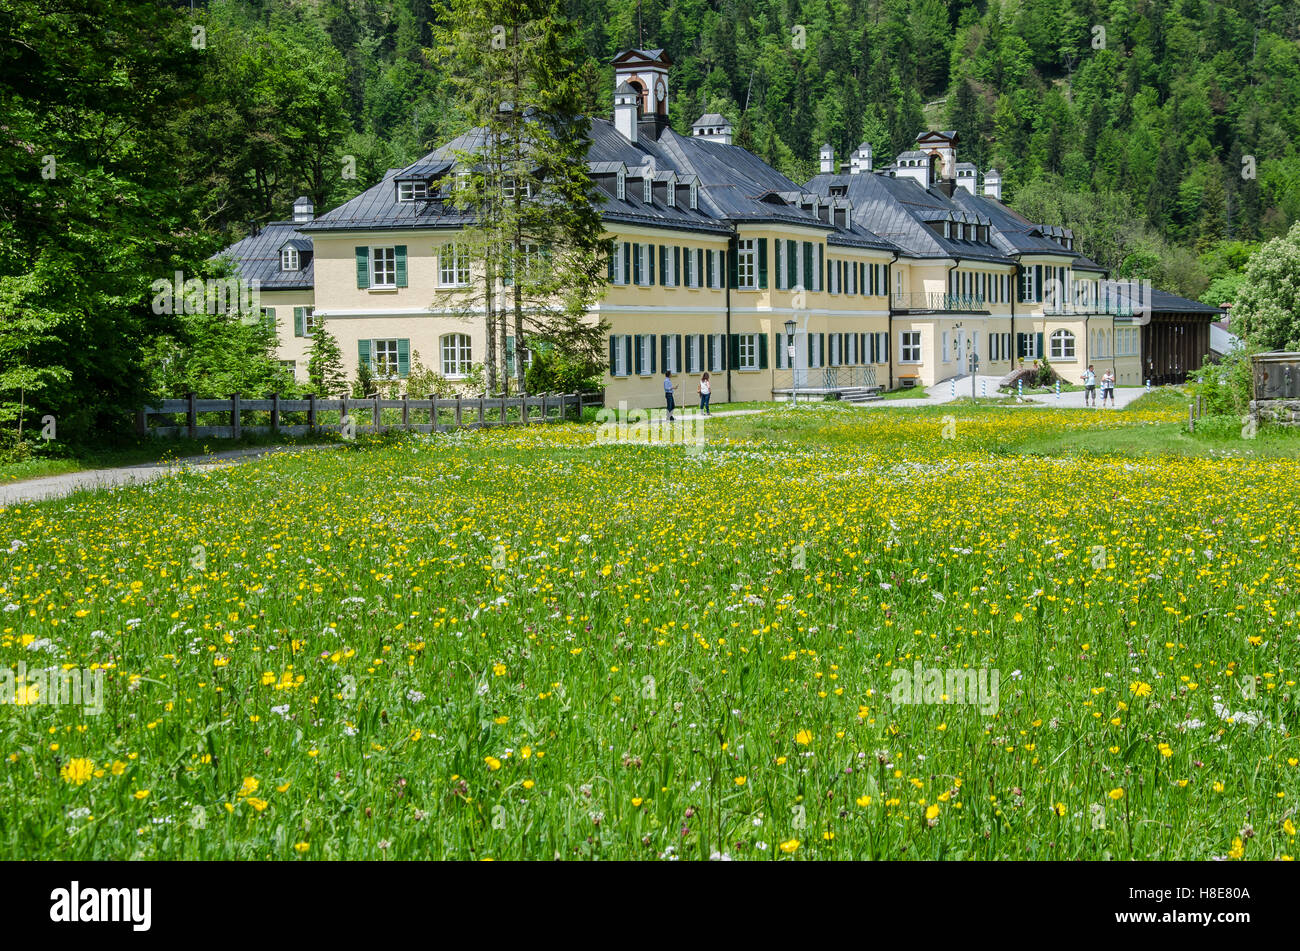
[77, 771]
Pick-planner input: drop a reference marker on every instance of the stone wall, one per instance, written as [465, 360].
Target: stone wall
[1279, 412]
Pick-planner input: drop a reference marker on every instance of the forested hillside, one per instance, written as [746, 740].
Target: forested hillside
[138, 137]
[1181, 113]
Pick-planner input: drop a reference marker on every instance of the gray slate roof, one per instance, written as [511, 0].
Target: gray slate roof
[898, 208]
[258, 257]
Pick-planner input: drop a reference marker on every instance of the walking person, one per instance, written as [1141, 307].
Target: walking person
[1108, 388]
[705, 389]
[1089, 386]
[668, 394]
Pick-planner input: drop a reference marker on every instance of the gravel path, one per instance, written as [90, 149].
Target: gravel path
[53, 487]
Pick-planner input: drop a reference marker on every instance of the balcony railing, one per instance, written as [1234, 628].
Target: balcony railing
[824, 379]
[938, 302]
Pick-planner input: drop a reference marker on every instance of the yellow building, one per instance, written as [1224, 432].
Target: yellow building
[857, 281]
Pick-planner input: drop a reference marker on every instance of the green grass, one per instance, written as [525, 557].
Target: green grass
[531, 643]
[912, 393]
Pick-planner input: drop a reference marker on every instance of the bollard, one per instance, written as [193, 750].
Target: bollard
[984, 387]
[1020, 389]
[1191, 418]
[1058, 391]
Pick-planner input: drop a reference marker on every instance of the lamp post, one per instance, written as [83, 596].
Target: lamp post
[789, 355]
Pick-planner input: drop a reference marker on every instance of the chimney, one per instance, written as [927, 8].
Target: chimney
[966, 177]
[627, 106]
[993, 184]
[712, 128]
[827, 155]
[860, 160]
[303, 210]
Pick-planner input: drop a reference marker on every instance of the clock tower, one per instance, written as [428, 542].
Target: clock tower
[646, 72]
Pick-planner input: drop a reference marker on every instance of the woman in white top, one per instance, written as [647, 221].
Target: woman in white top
[705, 389]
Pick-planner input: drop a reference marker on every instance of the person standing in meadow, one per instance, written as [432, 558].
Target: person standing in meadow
[668, 394]
[705, 389]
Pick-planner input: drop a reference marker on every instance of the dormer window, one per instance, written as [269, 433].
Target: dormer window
[289, 259]
[621, 186]
[508, 187]
[672, 194]
[839, 190]
[947, 229]
[409, 191]
[647, 190]
[695, 196]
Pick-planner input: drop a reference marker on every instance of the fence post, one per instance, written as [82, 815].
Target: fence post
[343, 412]
[406, 411]
[1191, 417]
[234, 415]
[311, 412]
[458, 411]
[376, 412]
[544, 419]
[482, 410]
[275, 413]
[191, 416]
[503, 408]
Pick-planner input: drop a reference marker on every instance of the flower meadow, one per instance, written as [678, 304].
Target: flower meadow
[525, 644]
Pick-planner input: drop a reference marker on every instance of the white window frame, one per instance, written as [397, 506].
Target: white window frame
[716, 346]
[455, 355]
[290, 259]
[747, 352]
[620, 367]
[379, 255]
[620, 277]
[383, 369]
[945, 346]
[620, 187]
[909, 351]
[453, 263]
[747, 265]
[1056, 345]
[409, 191]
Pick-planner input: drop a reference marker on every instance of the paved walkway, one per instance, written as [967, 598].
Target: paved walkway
[53, 487]
[987, 386]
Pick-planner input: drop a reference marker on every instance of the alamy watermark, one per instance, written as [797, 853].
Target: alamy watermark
[938, 685]
[639, 427]
[53, 686]
[214, 295]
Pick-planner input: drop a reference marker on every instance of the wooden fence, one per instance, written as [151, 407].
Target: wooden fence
[236, 416]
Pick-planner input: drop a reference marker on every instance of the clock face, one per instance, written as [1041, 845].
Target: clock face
[659, 90]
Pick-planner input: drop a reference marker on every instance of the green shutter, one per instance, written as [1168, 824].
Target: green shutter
[403, 357]
[735, 350]
[733, 278]
[677, 342]
[363, 354]
[677, 262]
[791, 265]
[664, 341]
[762, 351]
[1038, 284]
[627, 261]
[650, 264]
[298, 328]
[821, 266]
[510, 355]
[636, 266]
[613, 353]
[663, 265]
[611, 268]
[636, 354]
[762, 266]
[807, 266]
[1041, 352]
[651, 349]
[400, 253]
[363, 267]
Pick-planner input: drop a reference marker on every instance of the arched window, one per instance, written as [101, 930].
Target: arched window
[455, 355]
[1062, 345]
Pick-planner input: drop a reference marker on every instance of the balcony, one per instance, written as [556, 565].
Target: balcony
[937, 302]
